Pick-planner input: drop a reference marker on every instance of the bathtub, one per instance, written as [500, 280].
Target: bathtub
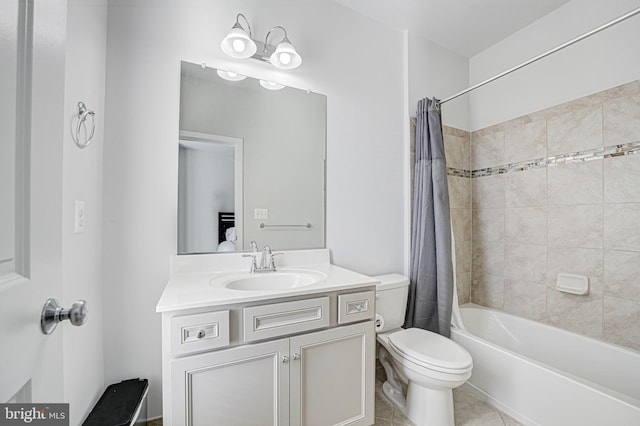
[542, 375]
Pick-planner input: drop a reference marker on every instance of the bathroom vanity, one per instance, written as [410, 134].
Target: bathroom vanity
[291, 347]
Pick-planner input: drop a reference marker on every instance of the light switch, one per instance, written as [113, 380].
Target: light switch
[79, 217]
[262, 214]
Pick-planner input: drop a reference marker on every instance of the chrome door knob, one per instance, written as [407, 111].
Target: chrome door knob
[52, 314]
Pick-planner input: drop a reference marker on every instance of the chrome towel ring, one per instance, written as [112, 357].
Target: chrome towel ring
[83, 113]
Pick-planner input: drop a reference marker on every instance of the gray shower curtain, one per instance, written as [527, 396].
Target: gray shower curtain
[431, 277]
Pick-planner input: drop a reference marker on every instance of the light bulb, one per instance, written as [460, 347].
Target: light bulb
[285, 58]
[238, 45]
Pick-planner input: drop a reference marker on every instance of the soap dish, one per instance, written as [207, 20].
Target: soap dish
[572, 283]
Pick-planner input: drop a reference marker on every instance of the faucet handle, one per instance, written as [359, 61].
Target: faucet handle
[254, 247]
[254, 265]
[272, 265]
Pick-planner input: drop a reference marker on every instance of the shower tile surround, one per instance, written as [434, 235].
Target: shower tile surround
[554, 191]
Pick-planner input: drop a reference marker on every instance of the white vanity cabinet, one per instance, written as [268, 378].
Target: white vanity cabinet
[307, 361]
[245, 385]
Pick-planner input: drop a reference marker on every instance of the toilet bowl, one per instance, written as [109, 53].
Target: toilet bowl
[422, 367]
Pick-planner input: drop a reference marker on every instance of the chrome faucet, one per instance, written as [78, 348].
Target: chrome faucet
[267, 262]
[254, 253]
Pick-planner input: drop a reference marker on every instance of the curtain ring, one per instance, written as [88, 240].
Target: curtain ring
[83, 113]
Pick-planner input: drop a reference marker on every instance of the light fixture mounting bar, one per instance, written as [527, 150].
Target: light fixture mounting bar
[264, 51]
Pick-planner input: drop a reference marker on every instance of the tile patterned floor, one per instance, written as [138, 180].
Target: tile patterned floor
[469, 410]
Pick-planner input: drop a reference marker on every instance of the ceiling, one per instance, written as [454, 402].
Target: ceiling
[466, 27]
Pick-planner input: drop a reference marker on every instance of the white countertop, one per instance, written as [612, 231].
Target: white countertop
[190, 285]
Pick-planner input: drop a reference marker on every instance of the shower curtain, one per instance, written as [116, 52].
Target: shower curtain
[431, 276]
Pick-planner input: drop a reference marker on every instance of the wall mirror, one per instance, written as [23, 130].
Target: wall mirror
[251, 164]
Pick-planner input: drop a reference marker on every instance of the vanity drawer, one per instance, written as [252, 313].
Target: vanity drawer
[354, 307]
[279, 319]
[199, 332]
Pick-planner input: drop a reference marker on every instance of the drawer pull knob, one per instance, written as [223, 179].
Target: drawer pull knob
[201, 334]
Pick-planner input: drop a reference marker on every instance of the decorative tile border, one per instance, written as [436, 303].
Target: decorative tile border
[452, 171]
[555, 160]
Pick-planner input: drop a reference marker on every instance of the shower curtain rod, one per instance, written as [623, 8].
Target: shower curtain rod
[547, 53]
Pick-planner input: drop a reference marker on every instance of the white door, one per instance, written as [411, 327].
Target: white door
[31, 130]
[332, 376]
[242, 386]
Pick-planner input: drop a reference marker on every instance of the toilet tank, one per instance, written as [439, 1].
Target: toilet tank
[391, 300]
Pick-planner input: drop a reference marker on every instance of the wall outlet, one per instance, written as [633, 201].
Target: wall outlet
[79, 217]
[261, 214]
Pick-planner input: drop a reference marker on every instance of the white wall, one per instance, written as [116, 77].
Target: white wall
[605, 60]
[82, 180]
[342, 59]
[437, 72]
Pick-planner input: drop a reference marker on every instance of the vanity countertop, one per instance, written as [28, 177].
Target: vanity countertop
[194, 278]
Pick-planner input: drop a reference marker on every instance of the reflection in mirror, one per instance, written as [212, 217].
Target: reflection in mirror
[210, 173]
[251, 165]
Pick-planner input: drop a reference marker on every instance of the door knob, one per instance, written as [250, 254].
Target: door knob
[52, 314]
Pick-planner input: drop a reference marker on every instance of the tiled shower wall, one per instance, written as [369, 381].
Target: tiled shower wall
[554, 191]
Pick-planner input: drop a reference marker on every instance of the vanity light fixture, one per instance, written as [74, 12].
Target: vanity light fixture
[240, 45]
[271, 85]
[230, 75]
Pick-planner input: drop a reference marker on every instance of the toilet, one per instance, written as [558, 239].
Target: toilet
[422, 367]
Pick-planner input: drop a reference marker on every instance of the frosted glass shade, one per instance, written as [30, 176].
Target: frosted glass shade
[238, 44]
[230, 75]
[271, 85]
[285, 56]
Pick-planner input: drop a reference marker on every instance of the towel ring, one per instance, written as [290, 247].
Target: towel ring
[83, 113]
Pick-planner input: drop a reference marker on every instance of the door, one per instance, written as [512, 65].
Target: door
[332, 376]
[246, 385]
[31, 132]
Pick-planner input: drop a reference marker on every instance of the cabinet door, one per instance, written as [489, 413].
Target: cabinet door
[332, 376]
[247, 385]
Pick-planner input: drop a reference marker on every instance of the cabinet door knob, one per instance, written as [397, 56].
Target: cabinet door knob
[296, 357]
[285, 359]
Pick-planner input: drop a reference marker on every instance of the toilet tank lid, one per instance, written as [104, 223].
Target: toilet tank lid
[391, 281]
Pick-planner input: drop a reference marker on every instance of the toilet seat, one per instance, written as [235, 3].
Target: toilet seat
[430, 350]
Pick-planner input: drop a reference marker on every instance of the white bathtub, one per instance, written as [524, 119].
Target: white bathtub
[542, 375]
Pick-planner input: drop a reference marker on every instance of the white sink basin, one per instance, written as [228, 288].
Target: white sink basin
[269, 281]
